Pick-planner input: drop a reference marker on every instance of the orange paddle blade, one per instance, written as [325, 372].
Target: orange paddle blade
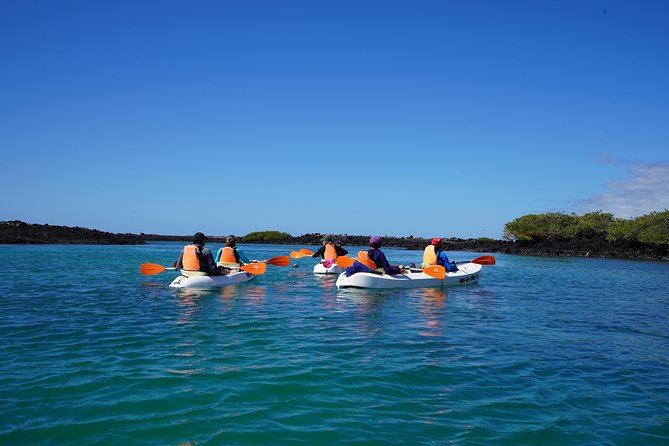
[149, 269]
[308, 252]
[278, 261]
[344, 262]
[365, 261]
[436, 271]
[298, 255]
[255, 268]
[484, 260]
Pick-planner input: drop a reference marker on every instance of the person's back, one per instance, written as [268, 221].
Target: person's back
[430, 256]
[229, 256]
[379, 258]
[329, 250]
[197, 258]
[434, 254]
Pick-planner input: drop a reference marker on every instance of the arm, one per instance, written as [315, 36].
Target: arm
[319, 253]
[340, 251]
[240, 256]
[443, 261]
[218, 254]
[209, 263]
[379, 258]
[180, 264]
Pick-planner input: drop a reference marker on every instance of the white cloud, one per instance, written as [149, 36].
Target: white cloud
[644, 191]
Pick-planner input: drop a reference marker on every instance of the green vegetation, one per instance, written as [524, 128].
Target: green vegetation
[267, 237]
[485, 239]
[652, 229]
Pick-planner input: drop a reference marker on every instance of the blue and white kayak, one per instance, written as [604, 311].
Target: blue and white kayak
[198, 281]
[319, 268]
[468, 273]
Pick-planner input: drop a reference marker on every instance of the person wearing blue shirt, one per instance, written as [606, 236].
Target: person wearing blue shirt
[229, 254]
[434, 254]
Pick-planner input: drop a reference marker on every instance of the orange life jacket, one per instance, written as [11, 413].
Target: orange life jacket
[190, 260]
[330, 252]
[430, 255]
[363, 257]
[227, 255]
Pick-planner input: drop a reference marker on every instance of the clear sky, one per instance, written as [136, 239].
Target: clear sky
[421, 118]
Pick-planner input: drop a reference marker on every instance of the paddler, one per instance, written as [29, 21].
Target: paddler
[197, 257]
[375, 254]
[329, 250]
[434, 254]
[229, 256]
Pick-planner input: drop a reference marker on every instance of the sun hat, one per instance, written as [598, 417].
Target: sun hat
[375, 240]
[436, 240]
[327, 238]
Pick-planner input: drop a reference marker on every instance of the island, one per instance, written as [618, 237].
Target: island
[596, 234]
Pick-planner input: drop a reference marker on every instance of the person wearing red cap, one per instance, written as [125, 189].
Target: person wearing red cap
[434, 254]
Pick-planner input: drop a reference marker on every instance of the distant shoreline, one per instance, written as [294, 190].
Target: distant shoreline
[18, 232]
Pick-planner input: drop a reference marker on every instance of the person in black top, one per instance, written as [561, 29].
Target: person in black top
[198, 254]
[327, 240]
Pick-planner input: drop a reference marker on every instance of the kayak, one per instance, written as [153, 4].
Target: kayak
[319, 268]
[211, 281]
[468, 273]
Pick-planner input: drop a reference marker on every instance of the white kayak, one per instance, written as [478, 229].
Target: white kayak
[211, 281]
[468, 273]
[319, 268]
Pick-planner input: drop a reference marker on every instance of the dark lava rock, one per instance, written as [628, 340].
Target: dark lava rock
[18, 232]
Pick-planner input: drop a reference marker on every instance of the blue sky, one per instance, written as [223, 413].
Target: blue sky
[423, 118]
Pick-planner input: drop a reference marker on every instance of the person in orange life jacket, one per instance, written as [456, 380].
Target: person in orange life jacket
[434, 254]
[379, 258]
[196, 257]
[329, 251]
[230, 254]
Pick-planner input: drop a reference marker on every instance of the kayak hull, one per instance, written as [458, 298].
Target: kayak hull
[468, 273]
[319, 268]
[211, 281]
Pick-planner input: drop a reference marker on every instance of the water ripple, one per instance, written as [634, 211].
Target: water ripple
[540, 352]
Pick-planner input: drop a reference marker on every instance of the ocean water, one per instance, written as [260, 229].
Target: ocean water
[542, 351]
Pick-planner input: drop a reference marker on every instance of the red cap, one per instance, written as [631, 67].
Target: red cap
[436, 240]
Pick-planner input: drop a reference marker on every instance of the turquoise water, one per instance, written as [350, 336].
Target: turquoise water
[543, 351]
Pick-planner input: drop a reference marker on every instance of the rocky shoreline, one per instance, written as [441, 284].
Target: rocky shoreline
[18, 232]
[578, 247]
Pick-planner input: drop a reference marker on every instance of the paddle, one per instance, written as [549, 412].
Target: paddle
[149, 269]
[255, 268]
[299, 255]
[483, 260]
[344, 262]
[436, 271]
[277, 261]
